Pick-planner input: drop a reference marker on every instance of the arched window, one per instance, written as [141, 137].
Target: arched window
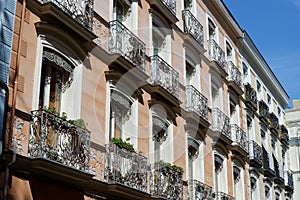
[220, 173]
[238, 181]
[122, 113]
[56, 78]
[162, 137]
[254, 181]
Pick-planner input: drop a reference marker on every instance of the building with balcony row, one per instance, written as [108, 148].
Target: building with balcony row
[141, 99]
[293, 125]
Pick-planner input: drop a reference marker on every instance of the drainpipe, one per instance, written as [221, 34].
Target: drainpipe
[15, 81]
[14, 99]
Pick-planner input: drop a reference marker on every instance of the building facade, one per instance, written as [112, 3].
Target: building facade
[141, 99]
[293, 125]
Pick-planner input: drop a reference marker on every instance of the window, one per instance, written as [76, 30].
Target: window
[161, 134]
[234, 110]
[245, 72]
[121, 10]
[193, 155]
[212, 30]
[188, 4]
[220, 173]
[250, 128]
[56, 77]
[267, 192]
[238, 183]
[258, 85]
[123, 114]
[229, 52]
[161, 40]
[189, 73]
[269, 99]
[254, 181]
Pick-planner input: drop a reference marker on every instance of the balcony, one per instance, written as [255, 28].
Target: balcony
[125, 167]
[217, 55]
[255, 154]
[268, 170]
[234, 78]
[193, 28]
[164, 79]
[250, 97]
[222, 196]
[55, 139]
[197, 103]
[220, 123]
[167, 8]
[289, 182]
[263, 110]
[239, 138]
[76, 15]
[165, 183]
[278, 176]
[199, 191]
[126, 44]
[273, 123]
[283, 134]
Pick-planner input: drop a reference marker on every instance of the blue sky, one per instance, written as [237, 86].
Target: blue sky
[274, 26]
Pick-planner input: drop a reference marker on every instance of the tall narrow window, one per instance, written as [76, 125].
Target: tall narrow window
[56, 77]
[189, 73]
[188, 4]
[120, 113]
[162, 139]
[211, 30]
[229, 52]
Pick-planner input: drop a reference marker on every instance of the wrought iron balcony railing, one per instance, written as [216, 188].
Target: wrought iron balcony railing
[193, 27]
[81, 11]
[268, 170]
[171, 5]
[234, 74]
[199, 191]
[255, 153]
[162, 74]
[223, 196]
[239, 137]
[263, 109]
[283, 133]
[56, 139]
[274, 122]
[125, 167]
[289, 182]
[278, 174]
[196, 102]
[217, 54]
[220, 122]
[165, 183]
[250, 97]
[122, 41]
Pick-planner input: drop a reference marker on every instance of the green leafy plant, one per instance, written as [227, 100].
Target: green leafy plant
[78, 122]
[51, 110]
[174, 168]
[64, 115]
[120, 143]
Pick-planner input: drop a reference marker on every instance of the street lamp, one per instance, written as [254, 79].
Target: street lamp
[3, 114]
